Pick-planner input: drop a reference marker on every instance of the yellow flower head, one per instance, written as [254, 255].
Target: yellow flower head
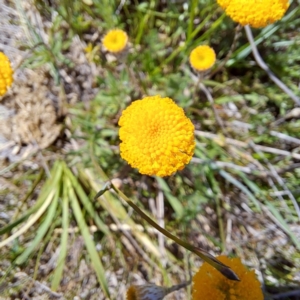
[202, 58]
[208, 283]
[146, 292]
[6, 74]
[157, 138]
[255, 13]
[115, 40]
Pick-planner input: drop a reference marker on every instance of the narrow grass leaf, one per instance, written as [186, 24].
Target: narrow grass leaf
[46, 190]
[283, 223]
[86, 202]
[240, 186]
[211, 29]
[115, 208]
[42, 230]
[252, 186]
[57, 276]
[90, 245]
[30, 222]
[174, 202]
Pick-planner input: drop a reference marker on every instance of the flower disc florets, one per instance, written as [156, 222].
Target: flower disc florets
[202, 58]
[208, 283]
[6, 74]
[255, 13]
[115, 40]
[157, 138]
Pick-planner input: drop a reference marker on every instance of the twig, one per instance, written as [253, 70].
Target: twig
[279, 135]
[245, 145]
[160, 221]
[284, 193]
[279, 179]
[228, 231]
[285, 137]
[118, 10]
[294, 113]
[212, 104]
[222, 164]
[43, 287]
[289, 168]
[264, 66]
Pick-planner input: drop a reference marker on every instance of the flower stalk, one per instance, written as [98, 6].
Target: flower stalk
[152, 291]
[210, 259]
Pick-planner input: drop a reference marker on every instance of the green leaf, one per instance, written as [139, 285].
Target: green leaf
[90, 245]
[43, 228]
[283, 224]
[47, 188]
[86, 202]
[64, 239]
[174, 202]
[240, 186]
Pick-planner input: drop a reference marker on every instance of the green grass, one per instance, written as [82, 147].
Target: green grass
[238, 194]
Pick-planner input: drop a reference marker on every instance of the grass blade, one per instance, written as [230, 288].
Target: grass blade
[30, 222]
[47, 188]
[239, 185]
[174, 202]
[41, 231]
[86, 202]
[90, 245]
[276, 214]
[64, 239]
[116, 209]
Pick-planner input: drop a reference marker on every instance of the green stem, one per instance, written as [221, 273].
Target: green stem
[193, 6]
[144, 23]
[225, 270]
[199, 27]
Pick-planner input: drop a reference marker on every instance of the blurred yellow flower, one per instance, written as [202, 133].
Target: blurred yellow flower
[255, 13]
[208, 283]
[115, 40]
[202, 58]
[146, 292]
[157, 138]
[6, 74]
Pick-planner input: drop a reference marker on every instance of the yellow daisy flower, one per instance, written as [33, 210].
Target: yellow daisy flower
[202, 58]
[115, 40]
[146, 292]
[255, 13]
[157, 138]
[6, 74]
[208, 283]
